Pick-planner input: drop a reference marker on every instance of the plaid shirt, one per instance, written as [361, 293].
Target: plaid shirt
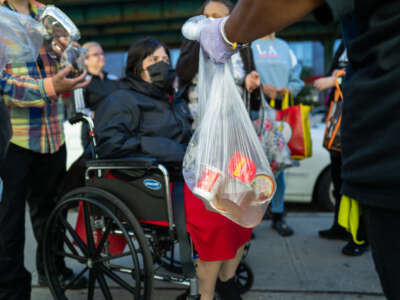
[36, 112]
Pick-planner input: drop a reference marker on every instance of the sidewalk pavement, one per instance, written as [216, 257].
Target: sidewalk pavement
[302, 266]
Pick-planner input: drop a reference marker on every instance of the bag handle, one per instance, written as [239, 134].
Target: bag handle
[338, 91]
[287, 101]
[261, 112]
[271, 102]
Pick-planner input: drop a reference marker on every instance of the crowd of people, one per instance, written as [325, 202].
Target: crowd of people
[142, 114]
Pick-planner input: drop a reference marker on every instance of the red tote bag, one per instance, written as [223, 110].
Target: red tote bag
[295, 127]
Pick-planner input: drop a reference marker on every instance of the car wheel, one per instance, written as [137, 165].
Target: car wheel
[324, 191]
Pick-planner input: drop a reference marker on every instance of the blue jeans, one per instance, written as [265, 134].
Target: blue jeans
[277, 205]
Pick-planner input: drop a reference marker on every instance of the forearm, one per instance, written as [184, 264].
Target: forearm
[26, 91]
[252, 19]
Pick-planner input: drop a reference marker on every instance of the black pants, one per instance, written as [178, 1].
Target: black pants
[32, 177]
[383, 234]
[336, 173]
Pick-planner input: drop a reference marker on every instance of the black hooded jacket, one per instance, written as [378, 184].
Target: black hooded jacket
[139, 119]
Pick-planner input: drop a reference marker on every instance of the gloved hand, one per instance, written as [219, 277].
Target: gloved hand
[213, 44]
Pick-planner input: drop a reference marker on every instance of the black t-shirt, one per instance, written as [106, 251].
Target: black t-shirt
[371, 110]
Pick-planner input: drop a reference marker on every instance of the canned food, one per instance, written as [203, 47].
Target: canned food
[218, 204]
[234, 197]
[242, 167]
[208, 184]
[264, 187]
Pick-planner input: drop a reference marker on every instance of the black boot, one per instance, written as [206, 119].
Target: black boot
[336, 232]
[352, 249]
[228, 290]
[280, 225]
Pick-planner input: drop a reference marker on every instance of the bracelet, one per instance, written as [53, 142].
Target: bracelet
[235, 46]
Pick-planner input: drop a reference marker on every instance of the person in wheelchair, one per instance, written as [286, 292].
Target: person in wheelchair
[141, 119]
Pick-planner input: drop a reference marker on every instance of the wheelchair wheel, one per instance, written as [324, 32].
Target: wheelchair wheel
[244, 277]
[91, 252]
[246, 250]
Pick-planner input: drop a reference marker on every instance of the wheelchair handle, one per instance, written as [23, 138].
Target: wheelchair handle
[80, 117]
[76, 119]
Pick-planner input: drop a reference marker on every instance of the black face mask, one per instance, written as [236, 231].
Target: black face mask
[162, 75]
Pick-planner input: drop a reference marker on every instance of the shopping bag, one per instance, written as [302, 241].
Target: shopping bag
[334, 119]
[295, 127]
[225, 164]
[272, 139]
[22, 34]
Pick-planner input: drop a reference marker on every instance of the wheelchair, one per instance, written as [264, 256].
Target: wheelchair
[132, 231]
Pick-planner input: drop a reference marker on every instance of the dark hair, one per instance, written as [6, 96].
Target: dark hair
[227, 3]
[138, 52]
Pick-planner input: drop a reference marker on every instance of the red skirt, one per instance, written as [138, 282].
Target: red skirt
[214, 236]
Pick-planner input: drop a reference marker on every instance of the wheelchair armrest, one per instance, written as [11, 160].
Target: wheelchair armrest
[135, 162]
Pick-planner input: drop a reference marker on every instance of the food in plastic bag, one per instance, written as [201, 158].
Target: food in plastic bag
[25, 36]
[22, 34]
[225, 164]
[3, 56]
[76, 58]
[59, 27]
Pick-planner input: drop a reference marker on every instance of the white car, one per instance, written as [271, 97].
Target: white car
[311, 181]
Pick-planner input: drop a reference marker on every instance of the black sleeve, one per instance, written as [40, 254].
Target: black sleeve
[97, 91]
[116, 124]
[163, 149]
[335, 60]
[333, 10]
[188, 62]
[248, 61]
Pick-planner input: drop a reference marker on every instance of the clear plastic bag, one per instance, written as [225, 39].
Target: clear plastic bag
[75, 57]
[225, 164]
[59, 27]
[22, 34]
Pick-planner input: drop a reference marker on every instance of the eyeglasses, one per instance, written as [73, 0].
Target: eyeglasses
[96, 54]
